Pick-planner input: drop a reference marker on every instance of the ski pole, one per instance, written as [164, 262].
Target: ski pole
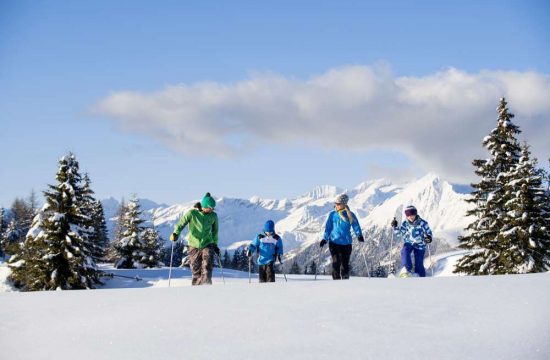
[282, 269]
[391, 249]
[171, 257]
[366, 264]
[137, 278]
[318, 262]
[431, 262]
[221, 267]
[250, 269]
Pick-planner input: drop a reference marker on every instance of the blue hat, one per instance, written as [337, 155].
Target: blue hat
[269, 226]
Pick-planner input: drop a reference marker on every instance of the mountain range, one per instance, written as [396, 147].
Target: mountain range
[300, 221]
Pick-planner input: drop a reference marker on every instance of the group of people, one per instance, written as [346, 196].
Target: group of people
[268, 245]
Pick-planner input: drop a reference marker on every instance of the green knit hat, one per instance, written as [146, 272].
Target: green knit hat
[208, 201]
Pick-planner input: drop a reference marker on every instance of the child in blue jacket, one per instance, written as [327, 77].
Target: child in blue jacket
[269, 246]
[338, 228]
[416, 233]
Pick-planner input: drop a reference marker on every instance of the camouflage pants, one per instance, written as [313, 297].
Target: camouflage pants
[201, 261]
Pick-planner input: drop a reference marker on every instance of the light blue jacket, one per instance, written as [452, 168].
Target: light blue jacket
[338, 229]
[414, 233]
[267, 247]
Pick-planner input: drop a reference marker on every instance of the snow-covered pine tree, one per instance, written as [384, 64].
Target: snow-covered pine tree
[138, 246]
[152, 252]
[483, 235]
[226, 262]
[295, 268]
[313, 268]
[526, 228]
[3, 226]
[101, 240]
[237, 261]
[55, 254]
[93, 212]
[112, 253]
[10, 238]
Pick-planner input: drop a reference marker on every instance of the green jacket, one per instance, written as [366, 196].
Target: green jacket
[203, 228]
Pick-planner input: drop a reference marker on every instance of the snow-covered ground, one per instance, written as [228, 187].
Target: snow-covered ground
[491, 317]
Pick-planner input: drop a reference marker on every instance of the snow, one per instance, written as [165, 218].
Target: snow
[489, 317]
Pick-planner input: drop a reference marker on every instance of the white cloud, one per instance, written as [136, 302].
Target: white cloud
[438, 120]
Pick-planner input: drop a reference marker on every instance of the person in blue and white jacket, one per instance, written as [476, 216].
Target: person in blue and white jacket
[269, 246]
[416, 233]
[338, 228]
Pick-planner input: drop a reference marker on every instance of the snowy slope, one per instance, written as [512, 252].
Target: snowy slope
[491, 317]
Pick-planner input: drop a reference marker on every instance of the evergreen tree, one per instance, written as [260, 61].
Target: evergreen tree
[151, 256]
[101, 235]
[527, 226]
[3, 227]
[237, 260]
[56, 252]
[484, 234]
[112, 253]
[313, 268]
[138, 246]
[10, 239]
[295, 268]
[226, 260]
[95, 221]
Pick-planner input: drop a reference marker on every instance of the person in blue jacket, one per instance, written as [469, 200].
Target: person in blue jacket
[269, 247]
[416, 233]
[338, 228]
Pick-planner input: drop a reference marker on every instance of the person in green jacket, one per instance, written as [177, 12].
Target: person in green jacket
[202, 240]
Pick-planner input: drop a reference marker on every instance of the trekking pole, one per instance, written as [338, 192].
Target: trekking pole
[250, 269]
[366, 264]
[137, 278]
[221, 267]
[391, 249]
[171, 258]
[431, 262]
[318, 262]
[282, 269]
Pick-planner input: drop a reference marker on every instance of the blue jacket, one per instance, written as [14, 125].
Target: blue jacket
[338, 228]
[267, 247]
[414, 233]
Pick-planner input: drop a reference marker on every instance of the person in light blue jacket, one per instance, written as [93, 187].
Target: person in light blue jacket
[269, 247]
[416, 233]
[338, 228]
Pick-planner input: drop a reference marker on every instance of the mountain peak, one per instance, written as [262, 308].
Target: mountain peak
[323, 192]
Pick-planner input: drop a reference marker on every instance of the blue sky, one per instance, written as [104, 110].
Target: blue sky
[95, 78]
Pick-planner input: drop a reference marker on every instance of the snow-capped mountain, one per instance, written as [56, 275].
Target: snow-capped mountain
[300, 221]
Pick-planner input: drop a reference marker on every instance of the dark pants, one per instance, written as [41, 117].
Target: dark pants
[406, 260]
[267, 273]
[201, 261]
[340, 255]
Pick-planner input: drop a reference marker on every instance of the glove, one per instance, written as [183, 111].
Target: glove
[278, 257]
[394, 223]
[248, 253]
[174, 237]
[360, 238]
[322, 243]
[428, 239]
